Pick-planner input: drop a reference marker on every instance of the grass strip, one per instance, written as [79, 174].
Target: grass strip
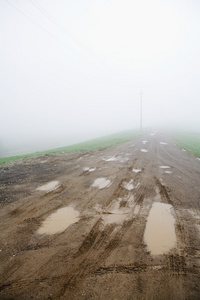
[102, 142]
[189, 141]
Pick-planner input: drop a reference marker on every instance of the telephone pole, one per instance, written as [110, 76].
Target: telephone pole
[141, 110]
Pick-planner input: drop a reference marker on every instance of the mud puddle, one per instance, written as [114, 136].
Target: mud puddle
[87, 169]
[115, 214]
[59, 220]
[164, 167]
[160, 234]
[129, 185]
[101, 183]
[136, 170]
[116, 158]
[144, 150]
[113, 158]
[50, 186]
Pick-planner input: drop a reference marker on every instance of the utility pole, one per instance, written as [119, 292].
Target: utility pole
[141, 110]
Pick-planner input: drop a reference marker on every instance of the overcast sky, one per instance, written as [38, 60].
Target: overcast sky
[73, 69]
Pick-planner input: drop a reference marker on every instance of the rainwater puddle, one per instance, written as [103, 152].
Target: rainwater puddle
[136, 170]
[183, 150]
[163, 143]
[144, 142]
[115, 215]
[50, 186]
[114, 218]
[198, 158]
[144, 150]
[129, 185]
[89, 169]
[164, 167]
[168, 172]
[101, 183]
[160, 234]
[113, 158]
[59, 221]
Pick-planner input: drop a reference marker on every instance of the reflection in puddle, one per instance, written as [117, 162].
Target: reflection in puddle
[59, 221]
[128, 185]
[160, 234]
[116, 158]
[87, 169]
[115, 215]
[136, 170]
[113, 158]
[114, 218]
[50, 186]
[101, 183]
[164, 167]
[144, 150]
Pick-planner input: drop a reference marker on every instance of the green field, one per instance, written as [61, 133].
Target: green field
[105, 141]
[189, 141]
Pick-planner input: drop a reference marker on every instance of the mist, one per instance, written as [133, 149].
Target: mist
[73, 70]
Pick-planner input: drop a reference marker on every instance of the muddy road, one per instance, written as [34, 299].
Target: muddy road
[121, 222]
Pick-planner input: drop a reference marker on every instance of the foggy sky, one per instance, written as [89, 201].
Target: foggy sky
[72, 70]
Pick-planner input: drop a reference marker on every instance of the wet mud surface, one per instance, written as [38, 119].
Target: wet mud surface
[114, 200]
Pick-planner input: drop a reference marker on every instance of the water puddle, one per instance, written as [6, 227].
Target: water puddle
[163, 143]
[136, 170]
[144, 142]
[113, 158]
[183, 150]
[144, 150]
[50, 186]
[115, 214]
[164, 167]
[136, 210]
[101, 183]
[59, 221]
[198, 158]
[114, 218]
[160, 234]
[168, 172]
[129, 185]
[87, 169]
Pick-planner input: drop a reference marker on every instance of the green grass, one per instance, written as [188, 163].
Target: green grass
[105, 141]
[189, 141]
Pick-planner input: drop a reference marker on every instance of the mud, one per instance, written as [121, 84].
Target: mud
[103, 252]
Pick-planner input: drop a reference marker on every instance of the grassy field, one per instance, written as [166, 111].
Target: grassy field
[189, 141]
[105, 141]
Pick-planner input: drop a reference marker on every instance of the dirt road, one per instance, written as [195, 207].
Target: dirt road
[133, 229]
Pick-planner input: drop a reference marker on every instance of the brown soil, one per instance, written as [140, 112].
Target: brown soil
[92, 258]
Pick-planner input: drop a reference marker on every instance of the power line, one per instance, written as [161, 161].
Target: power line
[60, 26]
[51, 18]
[35, 23]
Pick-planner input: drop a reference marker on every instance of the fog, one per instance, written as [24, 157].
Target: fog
[73, 70]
